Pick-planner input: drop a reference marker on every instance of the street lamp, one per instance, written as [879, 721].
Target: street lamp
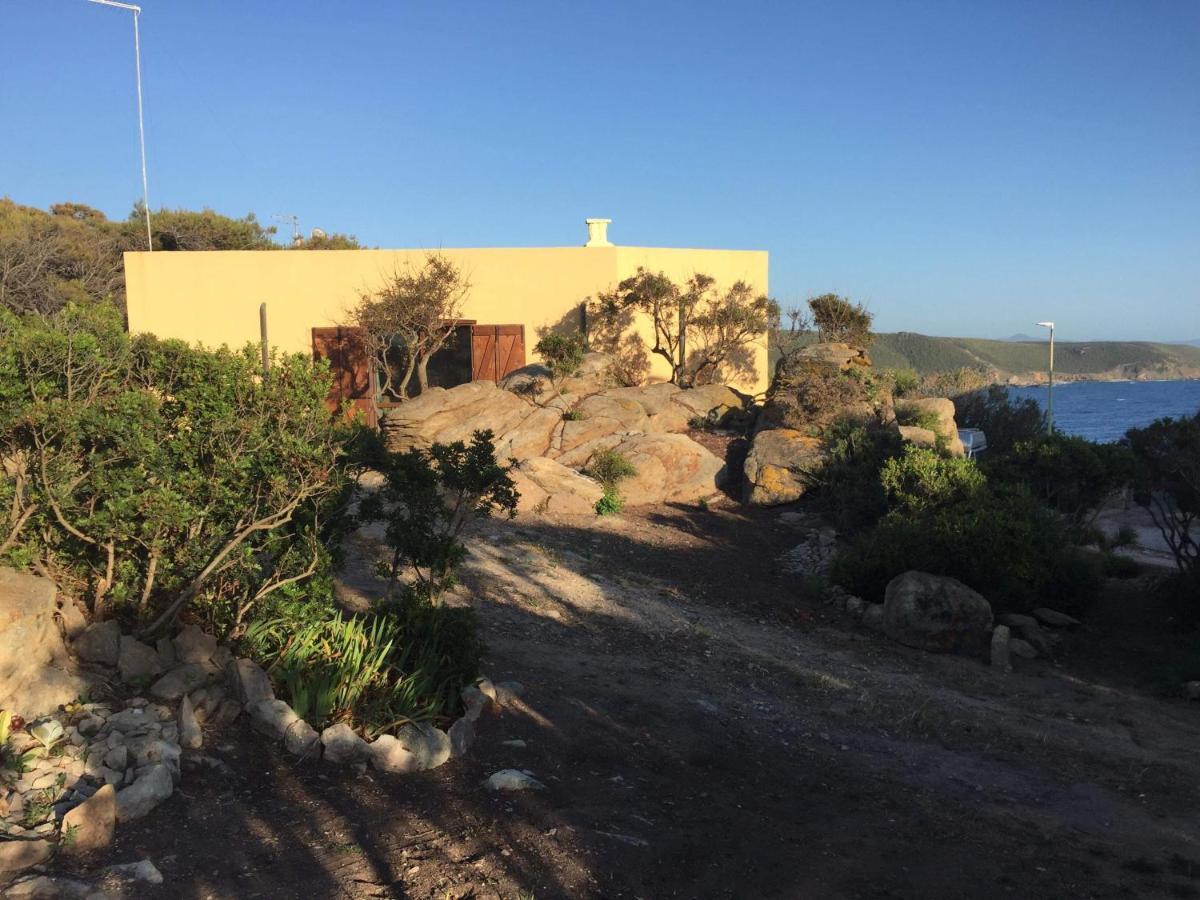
[137, 57]
[1050, 385]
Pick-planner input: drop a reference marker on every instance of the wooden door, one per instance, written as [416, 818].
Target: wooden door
[496, 350]
[353, 377]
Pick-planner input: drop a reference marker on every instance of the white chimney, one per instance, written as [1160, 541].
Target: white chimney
[597, 232]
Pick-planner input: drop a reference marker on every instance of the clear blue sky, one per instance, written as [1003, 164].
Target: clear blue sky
[962, 167]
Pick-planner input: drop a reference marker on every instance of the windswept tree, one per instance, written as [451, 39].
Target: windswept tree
[1167, 483]
[413, 316]
[697, 329]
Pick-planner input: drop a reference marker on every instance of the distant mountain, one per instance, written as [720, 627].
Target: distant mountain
[1022, 337]
[1021, 361]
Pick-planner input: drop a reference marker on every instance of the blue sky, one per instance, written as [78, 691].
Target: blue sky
[961, 167]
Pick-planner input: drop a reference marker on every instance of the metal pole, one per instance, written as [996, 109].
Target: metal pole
[137, 58]
[262, 330]
[1050, 388]
[137, 54]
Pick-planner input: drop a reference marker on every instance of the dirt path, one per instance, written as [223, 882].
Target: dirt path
[704, 731]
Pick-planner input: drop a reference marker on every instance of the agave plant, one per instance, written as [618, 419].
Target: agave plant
[47, 732]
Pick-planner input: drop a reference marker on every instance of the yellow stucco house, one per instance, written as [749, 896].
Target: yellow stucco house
[214, 297]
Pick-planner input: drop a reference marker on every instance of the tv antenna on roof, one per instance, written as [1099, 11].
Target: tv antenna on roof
[294, 221]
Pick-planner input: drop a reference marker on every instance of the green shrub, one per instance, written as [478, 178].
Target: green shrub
[428, 498]
[572, 415]
[838, 319]
[609, 467]
[904, 382]
[848, 487]
[922, 479]
[1071, 475]
[408, 662]
[562, 354]
[1006, 546]
[149, 476]
[610, 503]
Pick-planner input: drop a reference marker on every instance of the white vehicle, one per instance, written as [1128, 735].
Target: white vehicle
[974, 441]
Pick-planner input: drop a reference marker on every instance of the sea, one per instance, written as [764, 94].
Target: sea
[1104, 410]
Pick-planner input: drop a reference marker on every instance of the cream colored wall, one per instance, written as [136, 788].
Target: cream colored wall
[212, 297]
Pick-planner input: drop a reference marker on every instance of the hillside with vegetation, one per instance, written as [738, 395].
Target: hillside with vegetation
[1026, 360]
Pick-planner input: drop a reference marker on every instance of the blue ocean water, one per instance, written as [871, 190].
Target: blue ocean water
[1105, 410]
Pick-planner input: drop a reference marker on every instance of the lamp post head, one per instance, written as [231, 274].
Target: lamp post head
[1046, 324]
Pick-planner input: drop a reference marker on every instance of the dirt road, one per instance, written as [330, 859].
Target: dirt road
[703, 730]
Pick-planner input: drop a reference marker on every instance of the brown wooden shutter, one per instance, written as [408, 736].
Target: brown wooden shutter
[496, 351]
[351, 371]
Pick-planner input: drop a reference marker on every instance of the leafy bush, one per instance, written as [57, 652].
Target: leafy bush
[904, 382]
[922, 479]
[407, 662]
[428, 498]
[1071, 475]
[562, 354]
[609, 468]
[149, 476]
[1005, 421]
[1004, 545]
[848, 486]
[610, 503]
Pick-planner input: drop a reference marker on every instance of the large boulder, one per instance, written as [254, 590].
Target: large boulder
[598, 416]
[548, 486]
[36, 675]
[520, 427]
[779, 466]
[714, 403]
[669, 467]
[936, 613]
[939, 412]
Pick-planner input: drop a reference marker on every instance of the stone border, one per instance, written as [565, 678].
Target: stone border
[117, 764]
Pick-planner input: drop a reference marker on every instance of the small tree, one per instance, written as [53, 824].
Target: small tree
[414, 314]
[839, 320]
[562, 355]
[696, 329]
[428, 498]
[1167, 481]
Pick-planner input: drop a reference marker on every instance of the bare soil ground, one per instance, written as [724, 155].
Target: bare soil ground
[705, 730]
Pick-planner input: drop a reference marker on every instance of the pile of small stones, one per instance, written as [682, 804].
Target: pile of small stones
[116, 761]
[1027, 636]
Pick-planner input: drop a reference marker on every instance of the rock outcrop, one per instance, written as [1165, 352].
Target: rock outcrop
[548, 486]
[779, 465]
[553, 431]
[36, 674]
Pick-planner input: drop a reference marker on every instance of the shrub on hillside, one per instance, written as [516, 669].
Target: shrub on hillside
[610, 468]
[808, 395]
[427, 500]
[923, 479]
[1007, 546]
[148, 476]
[848, 487]
[407, 661]
[1071, 475]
